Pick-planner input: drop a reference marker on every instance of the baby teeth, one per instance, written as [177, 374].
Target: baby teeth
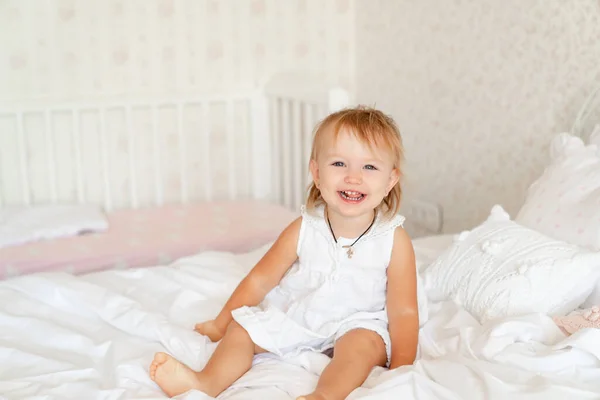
[352, 195]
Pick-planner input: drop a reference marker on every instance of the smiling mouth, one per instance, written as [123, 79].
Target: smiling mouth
[351, 196]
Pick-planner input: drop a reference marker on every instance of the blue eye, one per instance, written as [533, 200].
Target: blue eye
[370, 167]
[338, 164]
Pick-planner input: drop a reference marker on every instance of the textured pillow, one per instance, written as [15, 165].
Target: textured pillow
[564, 203]
[502, 269]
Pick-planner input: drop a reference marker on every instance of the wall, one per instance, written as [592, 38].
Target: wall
[80, 48]
[478, 88]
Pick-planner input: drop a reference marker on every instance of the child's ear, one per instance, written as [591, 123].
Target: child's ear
[394, 178]
[314, 171]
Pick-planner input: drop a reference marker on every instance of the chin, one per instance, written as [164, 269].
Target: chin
[353, 209]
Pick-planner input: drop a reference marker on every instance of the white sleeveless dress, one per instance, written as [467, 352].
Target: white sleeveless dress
[325, 294]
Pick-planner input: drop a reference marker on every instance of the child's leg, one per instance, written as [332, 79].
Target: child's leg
[355, 355]
[231, 359]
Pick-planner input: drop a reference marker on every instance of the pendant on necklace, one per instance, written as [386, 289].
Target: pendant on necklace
[350, 252]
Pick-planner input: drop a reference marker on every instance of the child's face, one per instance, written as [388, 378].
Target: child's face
[352, 178]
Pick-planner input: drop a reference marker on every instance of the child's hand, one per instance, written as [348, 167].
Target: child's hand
[210, 329]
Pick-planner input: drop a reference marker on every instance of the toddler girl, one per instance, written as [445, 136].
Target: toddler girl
[341, 277]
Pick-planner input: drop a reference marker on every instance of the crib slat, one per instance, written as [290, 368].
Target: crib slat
[130, 150]
[78, 161]
[308, 126]
[296, 156]
[247, 154]
[182, 158]
[158, 189]
[104, 157]
[26, 192]
[50, 157]
[276, 153]
[232, 170]
[261, 154]
[287, 153]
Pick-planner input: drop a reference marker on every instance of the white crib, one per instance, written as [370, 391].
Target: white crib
[139, 152]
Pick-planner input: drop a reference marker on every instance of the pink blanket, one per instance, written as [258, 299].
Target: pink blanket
[153, 236]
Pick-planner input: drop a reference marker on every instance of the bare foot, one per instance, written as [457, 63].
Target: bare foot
[313, 396]
[172, 376]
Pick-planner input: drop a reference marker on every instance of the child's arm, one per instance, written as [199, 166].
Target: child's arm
[265, 275]
[402, 305]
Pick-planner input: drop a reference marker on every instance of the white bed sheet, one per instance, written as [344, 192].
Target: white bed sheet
[94, 336]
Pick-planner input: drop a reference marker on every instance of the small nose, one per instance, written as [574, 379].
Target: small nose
[353, 177]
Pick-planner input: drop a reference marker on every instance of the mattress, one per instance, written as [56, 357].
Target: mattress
[153, 236]
[93, 337]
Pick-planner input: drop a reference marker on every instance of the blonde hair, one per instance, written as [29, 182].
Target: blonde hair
[373, 128]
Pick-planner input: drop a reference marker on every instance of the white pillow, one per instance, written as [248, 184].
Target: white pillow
[502, 269]
[25, 224]
[564, 202]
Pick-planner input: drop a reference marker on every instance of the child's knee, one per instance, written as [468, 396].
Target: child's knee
[237, 332]
[365, 344]
[365, 339]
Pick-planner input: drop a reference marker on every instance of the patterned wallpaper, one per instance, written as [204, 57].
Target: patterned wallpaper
[478, 88]
[76, 48]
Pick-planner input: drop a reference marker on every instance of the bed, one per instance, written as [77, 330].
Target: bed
[92, 334]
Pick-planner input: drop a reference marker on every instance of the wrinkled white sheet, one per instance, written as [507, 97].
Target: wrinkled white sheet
[93, 337]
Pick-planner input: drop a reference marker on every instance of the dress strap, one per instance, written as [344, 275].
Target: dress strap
[315, 218]
[383, 225]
